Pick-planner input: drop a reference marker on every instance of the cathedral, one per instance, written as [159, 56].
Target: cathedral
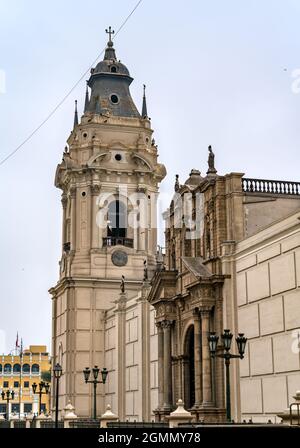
[231, 261]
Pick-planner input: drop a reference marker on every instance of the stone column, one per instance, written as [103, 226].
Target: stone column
[160, 341]
[206, 358]
[64, 202]
[219, 362]
[166, 325]
[186, 380]
[73, 218]
[96, 244]
[197, 359]
[120, 337]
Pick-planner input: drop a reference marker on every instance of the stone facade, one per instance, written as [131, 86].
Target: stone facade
[226, 265]
[199, 292]
[268, 295]
[131, 358]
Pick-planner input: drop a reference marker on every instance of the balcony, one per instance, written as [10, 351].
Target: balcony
[277, 187]
[114, 241]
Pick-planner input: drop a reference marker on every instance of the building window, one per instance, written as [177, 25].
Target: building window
[15, 407]
[7, 368]
[17, 368]
[35, 368]
[26, 384]
[26, 368]
[113, 69]
[16, 383]
[114, 99]
[27, 408]
[0, 368]
[5, 383]
[43, 407]
[3, 408]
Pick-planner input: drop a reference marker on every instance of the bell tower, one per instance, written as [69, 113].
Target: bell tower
[109, 177]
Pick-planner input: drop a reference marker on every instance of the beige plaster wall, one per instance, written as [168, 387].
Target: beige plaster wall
[268, 297]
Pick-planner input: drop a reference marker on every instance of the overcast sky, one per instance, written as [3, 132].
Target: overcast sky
[217, 73]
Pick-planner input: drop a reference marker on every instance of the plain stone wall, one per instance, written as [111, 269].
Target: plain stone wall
[136, 376]
[268, 295]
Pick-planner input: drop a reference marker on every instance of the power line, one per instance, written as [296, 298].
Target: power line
[68, 93]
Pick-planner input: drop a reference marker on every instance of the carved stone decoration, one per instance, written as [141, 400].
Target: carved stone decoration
[145, 271]
[95, 189]
[64, 200]
[122, 285]
[72, 192]
[166, 323]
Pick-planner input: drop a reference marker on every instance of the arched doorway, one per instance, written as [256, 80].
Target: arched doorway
[189, 370]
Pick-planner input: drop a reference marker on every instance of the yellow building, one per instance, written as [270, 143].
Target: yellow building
[18, 373]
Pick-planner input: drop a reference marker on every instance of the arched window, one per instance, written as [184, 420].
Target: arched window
[173, 258]
[35, 368]
[117, 220]
[7, 368]
[26, 368]
[17, 368]
[0, 368]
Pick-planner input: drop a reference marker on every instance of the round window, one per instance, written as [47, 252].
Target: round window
[114, 99]
[118, 157]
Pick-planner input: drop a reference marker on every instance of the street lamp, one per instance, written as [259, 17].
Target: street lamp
[95, 382]
[57, 374]
[42, 385]
[8, 396]
[226, 339]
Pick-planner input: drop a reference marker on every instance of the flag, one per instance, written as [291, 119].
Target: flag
[17, 340]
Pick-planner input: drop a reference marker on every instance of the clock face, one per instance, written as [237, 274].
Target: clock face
[119, 258]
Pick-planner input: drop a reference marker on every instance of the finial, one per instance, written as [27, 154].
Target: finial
[144, 108]
[176, 186]
[75, 115]
[122, 285]
[110, 32]
[211, 161]
[87, 100]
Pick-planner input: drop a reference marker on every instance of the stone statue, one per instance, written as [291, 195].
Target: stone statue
[211, 161]
[145, 271]
[122, 285]
[176, 186]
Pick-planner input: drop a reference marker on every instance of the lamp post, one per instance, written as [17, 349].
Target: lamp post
[42, 385]
[227, 356]
[57, 374]
[95, 382]
[8, 396]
